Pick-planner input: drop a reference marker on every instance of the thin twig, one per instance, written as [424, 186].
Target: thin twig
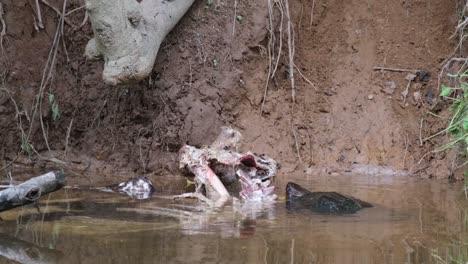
[393, 69]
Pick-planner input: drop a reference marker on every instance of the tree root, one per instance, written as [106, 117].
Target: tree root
[128, 34]
[2, 22]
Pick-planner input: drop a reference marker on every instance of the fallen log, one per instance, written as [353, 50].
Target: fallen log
[31, 190]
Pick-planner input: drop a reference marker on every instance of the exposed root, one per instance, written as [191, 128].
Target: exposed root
[305, 78]
[270, 50]
[290, 52]
[280, 48]
[377, 68]
[2, 22]
[275, 47]
[312, 15]
[40, 24]
[85, 19]
[234, 21]
[60, 14]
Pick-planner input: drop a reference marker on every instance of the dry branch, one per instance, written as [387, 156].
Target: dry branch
[128, 34]
[31, 190]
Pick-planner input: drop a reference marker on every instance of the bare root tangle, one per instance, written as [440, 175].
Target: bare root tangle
[270, 41]
[275, 47]
[291, 52]
[280, 48]
[2, 22]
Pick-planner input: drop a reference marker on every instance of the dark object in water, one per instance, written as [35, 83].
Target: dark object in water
[322, 202]
[138, 188]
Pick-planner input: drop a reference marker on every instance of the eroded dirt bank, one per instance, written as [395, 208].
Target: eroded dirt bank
[210, 74]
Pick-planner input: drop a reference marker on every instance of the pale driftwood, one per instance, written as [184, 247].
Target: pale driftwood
[25, 252]
[31, 190]
[128, 34]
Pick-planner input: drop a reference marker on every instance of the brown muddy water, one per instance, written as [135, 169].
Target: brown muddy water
[412, 221]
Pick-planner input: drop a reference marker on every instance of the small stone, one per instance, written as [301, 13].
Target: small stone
[370, 97]
[417, 97]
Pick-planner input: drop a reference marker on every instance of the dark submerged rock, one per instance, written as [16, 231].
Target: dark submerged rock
[322, 202]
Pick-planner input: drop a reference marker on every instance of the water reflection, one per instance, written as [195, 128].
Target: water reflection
[411, 219]
[25, 252]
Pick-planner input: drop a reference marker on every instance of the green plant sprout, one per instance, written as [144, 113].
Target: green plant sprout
[55, 107]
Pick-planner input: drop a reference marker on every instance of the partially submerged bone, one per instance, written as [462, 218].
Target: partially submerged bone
[253, 172]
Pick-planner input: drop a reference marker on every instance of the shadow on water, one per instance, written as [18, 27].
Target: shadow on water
[410, 220]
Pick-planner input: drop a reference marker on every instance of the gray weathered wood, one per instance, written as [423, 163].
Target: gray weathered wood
[30, 190]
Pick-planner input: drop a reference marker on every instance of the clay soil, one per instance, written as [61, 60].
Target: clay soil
[210, 73]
